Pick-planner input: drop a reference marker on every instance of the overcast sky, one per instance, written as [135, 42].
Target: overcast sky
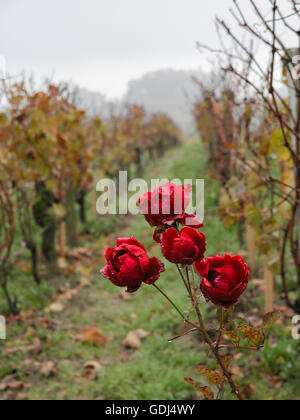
[102, 44]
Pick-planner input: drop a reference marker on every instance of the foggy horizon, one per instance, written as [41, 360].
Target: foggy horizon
[107, 43]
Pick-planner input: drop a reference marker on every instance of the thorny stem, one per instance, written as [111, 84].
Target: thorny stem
[214, 349]
[170, 300]
[241, 348]
[201, 327]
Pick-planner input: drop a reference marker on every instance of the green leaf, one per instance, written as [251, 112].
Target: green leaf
[269, 320]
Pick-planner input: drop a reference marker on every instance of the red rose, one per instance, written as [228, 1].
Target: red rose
[191, 220]
[129, 265]
[224, 279]
[185, 247]
[165, 204]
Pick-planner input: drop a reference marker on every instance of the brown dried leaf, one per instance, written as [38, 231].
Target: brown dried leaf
[204, 390]
[48, 369]
[32, 348]
[10, 383]
[213, 377]
[253, 336]
[93, 336]
[56, 307]
[91, 369]
[134, 339]
[232, 336]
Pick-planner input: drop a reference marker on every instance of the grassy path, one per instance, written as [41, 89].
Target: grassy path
[154, 371]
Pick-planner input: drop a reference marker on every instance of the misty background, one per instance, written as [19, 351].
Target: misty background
[116, 51]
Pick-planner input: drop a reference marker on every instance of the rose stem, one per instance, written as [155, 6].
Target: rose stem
[188, 280]
[220, 331]
[183, 279]
[172, 303]
[241, 348]
[215, 350]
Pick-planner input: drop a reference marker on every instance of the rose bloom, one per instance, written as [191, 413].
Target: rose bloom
[224, 279]
[165, 204]
[185, 247]
[128, 265]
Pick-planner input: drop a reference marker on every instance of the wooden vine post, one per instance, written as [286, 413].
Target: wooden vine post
[251, 246]
[295, 105]
[94, 200]
[62, 239]
[269, 289]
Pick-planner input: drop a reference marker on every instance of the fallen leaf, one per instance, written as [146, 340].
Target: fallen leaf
[68, 294]
[48, 369]
[35, 347]
[93, 336]
[56, 307]
[10, 383]
[91, 369]
[142, 333]
[134, 339]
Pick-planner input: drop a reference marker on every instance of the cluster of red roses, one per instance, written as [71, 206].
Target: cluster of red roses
[224, 279]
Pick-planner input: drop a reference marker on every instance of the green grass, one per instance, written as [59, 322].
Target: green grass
[157, 369]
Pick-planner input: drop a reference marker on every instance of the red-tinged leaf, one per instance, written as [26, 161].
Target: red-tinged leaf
[253, 336]
[232, 336]
[213, 377]
[269, 320]
[204, 390]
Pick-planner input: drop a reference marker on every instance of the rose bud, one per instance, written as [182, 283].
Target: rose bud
[165, 204]
[224, 279]
[128, 265]
[185, 247]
